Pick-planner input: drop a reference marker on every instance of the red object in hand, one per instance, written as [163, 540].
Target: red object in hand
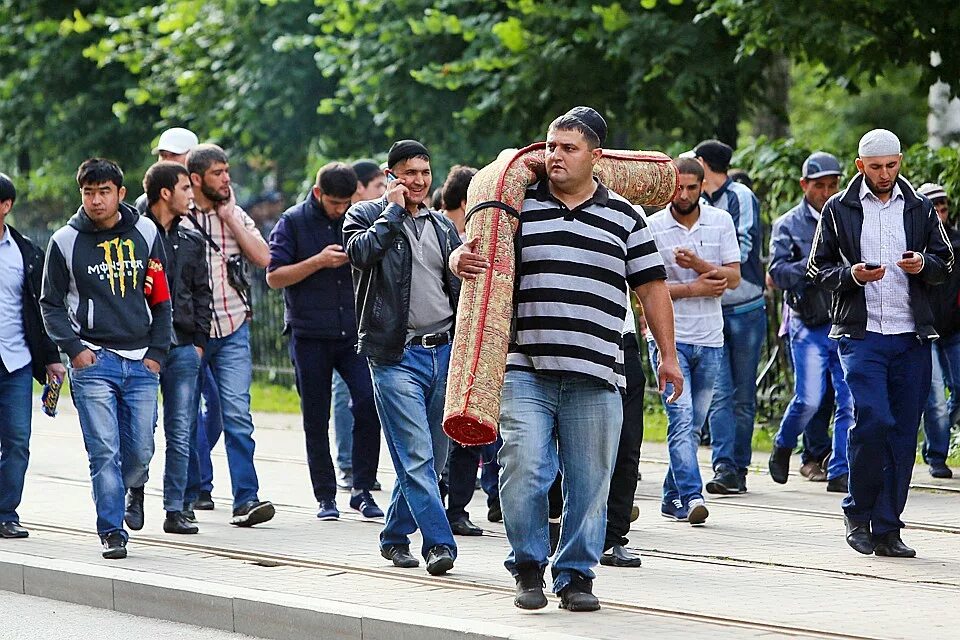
[155, 285]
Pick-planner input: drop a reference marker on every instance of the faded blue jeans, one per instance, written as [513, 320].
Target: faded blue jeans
[409, 395]
[550, 423]
[685, 417]
[116, 400]
[342, 423]
[16, 396]
[939, 414]
[180, 385]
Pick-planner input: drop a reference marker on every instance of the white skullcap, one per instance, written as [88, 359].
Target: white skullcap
[878, 142]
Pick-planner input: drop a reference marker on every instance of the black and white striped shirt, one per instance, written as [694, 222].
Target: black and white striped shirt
[576, 265]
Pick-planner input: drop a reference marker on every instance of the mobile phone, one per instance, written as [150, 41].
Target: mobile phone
[907, 255]
[391, 176]
[871, 266]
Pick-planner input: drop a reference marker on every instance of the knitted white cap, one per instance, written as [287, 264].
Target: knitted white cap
[878, 142]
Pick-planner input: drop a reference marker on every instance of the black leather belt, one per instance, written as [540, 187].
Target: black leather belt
[430, 340]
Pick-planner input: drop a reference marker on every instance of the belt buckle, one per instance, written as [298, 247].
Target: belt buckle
[426, 339]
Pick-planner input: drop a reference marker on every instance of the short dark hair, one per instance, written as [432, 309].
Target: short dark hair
[436, 200]
[337, 179]
[162, 175]
[741, 176]
[203, 156]
[455, 186]
[366, 171]
[572, 123]
[99, 170]
[690, 167]
[7, 190]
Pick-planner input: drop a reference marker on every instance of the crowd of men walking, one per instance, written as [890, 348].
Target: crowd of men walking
[155, 297]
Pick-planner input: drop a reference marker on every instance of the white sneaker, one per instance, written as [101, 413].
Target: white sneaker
[697, 512]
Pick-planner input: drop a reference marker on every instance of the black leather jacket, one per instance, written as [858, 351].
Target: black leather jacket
[836, 248]
[43, 350]
[382, 263]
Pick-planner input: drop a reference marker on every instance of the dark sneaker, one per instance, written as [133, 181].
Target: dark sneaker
[578, 595]
[494, 513]
[742, 481]
[554, 537]
[377, 486]
[529, 588]
[251, 513]
[940, 470]
[697, 512]
[618, 556]
[114, 546]
[439, 560]
[366, 505]
[328, 510]
[133, 513]
[12, 530]
[399, 555]
[463, 527]
[673, 510]
[840, 484]
[204, 502]
[176, 523]
[779, 464]
[725, 482]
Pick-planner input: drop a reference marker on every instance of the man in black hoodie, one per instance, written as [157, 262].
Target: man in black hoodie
[106, 304]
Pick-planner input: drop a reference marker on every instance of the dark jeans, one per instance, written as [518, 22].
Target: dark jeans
[16, 395]
[462, 477]
[208, 432]
[314, 362]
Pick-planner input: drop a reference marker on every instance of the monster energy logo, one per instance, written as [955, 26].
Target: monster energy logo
[114, 268]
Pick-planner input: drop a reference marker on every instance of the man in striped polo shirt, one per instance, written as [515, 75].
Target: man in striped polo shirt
[583, 246]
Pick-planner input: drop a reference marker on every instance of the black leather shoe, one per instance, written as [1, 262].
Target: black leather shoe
[859, 536]
[494, 513]
[554, 537]
[12, 530]
[399, 555]
[891, 546]
[618, 556]
[204, 502]
[529, 588]
[578, 595]
[188, 513]
[439, 560]
[175, 522]
[742, 481]
[133, 514]
[725, 481]
[779, 464]
[114, 546]
[464, 527]
[940, 470]
[840, 484]
[251, 513]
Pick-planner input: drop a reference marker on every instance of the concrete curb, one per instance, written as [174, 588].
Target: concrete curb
[262, 614]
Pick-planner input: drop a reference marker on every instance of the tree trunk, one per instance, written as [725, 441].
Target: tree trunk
[772, 118]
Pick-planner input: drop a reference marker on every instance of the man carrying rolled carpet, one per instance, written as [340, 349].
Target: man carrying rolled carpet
[583, 246]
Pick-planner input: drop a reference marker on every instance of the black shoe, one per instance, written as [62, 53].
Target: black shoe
[133, 513]
[554, 537]
[114, 546]
[742, 481]
[376, 486]
[494, 513]
[529, 588]
[12, 530]
[175, 522]
[251, 513]
[188, 513]
[940, 470]
[439, 560]
[578, 595]
[725, 481]
[618, 556]
[859, 536]
[204, 502]
[779, 464]
[464, 527]
[840, 484]
[891, 546]
[399, 555]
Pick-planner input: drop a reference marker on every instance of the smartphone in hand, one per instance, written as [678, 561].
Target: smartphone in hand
[871, 266]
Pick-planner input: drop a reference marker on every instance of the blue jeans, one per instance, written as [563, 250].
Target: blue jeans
[342, 423]
[735, 394]
[116, 400]
[16, 396]
[815, 358]
[409, 395]
[209, 429]
[231, 365]
[948, 351]
[685, 417]
[889, 377]
[462, 476]
[936, 413]
[550, 423]
[179, 383]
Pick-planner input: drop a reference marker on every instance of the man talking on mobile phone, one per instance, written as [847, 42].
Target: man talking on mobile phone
[879, 247]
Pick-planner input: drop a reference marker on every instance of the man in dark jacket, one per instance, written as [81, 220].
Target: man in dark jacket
[940, 415]
[406, 300]
[879, 248]
[307, 261]
[25, 353]
[169, 193]
[105, 302]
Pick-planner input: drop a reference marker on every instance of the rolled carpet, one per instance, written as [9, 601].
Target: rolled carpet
[479, 354]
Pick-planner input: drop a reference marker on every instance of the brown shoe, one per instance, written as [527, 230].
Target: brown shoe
[813, 472]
